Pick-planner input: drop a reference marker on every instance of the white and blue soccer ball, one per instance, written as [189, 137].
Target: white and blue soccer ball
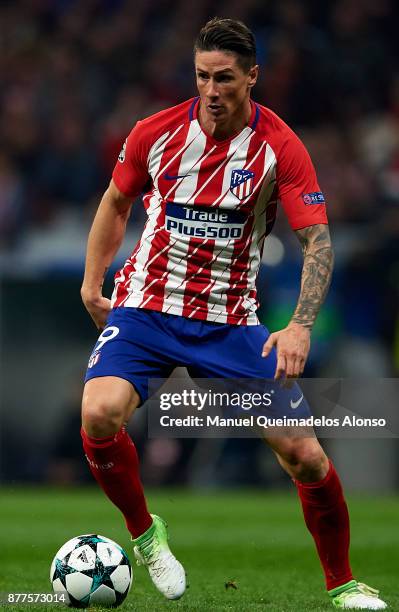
[91, 570]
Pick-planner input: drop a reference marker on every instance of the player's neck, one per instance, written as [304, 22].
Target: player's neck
[233, 124]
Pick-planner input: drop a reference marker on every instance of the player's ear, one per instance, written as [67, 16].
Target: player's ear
[253, 75]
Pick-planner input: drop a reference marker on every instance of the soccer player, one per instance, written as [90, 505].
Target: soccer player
[212, 170]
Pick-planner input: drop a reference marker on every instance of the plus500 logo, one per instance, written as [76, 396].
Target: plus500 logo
[204, 223]
[204, 231]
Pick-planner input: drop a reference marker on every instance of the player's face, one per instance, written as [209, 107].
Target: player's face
[223, 86]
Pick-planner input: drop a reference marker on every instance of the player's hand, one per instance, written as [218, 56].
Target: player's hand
[292, 344]
[98, 308]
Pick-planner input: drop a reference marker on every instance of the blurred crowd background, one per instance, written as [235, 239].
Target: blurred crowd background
[75, 76]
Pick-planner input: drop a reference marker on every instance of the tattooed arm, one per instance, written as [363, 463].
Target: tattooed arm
[104, 240]
[293, 342]
[318, 261]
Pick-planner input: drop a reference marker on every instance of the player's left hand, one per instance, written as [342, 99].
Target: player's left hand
[292, 344]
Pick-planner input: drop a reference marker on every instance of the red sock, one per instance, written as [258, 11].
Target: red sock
[326, 517]
[114, 464]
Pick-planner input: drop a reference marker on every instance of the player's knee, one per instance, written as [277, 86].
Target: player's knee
[306, 461]
[312, 465]
[101, 418]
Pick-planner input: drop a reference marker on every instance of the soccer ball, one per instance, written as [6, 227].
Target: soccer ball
[91, 570]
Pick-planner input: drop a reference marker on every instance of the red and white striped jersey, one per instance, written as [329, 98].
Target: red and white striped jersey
[210, 205]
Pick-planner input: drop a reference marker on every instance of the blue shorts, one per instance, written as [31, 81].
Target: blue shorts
[139, 345]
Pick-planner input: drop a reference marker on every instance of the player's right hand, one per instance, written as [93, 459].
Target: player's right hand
[98, 308]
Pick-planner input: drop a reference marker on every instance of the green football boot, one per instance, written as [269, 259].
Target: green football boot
[356, 596]
[151, 549]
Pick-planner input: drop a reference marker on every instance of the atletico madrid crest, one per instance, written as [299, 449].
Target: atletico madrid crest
[242, 183]
[94, 358]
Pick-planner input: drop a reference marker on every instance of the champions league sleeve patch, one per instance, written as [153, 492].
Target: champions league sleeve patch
[122, 154]
[316, 197]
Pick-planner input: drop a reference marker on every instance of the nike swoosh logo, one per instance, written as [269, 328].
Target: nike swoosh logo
[170, 177]
[296, 404]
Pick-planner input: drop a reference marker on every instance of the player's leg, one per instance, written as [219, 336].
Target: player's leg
[126, 355]
[107, 405]
[323, 503]
[318, 484]
[326, 516]
[108, 402]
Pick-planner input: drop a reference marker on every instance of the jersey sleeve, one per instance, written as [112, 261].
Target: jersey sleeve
[298, 189]
[131, 172]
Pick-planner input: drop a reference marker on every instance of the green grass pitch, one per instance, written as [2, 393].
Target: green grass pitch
[257, 540]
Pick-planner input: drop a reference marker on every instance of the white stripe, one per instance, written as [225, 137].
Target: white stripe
[138, 277]
[222, 285]
[178, 270]
[118, 281]
[222, 280]
[156, 279]
[194, 147]
[196, 168]
[217, 256]
[172, 159]
[155, 154]
[269, 160]
[233, 148]
[177, 279]
[219, 286]
[236, 156]
[228, 199]
[176, 267]
[259, 222]
[190, 164]
[132, 257]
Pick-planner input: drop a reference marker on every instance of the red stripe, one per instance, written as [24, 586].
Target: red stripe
[198, 275]
[200, 256]
[162, 239]
[201, 301]
[208, 166]
[155, 292]
[178, 143]
[240, 256]
[195, 163]
[238, 273]
[122, 287]
[240, 265]
[158, 256]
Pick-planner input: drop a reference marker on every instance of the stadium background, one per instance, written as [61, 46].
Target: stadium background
[75, 77]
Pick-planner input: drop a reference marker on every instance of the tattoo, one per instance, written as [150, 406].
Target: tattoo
[318, 262]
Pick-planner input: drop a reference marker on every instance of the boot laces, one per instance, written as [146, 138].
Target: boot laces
[149, 555]
[366, 590]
